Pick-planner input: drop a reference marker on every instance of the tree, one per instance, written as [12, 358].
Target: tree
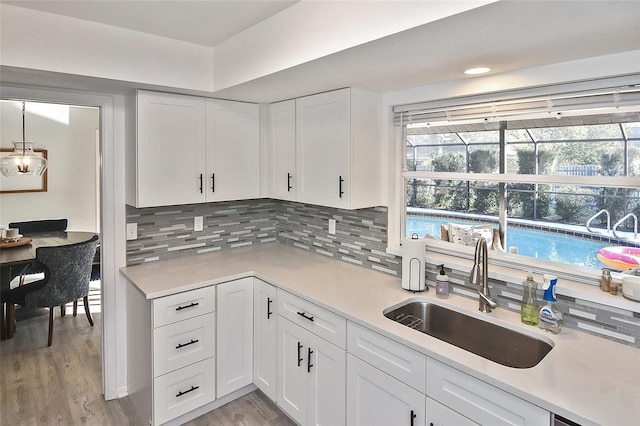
[450, 195]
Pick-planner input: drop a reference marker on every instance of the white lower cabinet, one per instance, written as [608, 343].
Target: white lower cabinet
[375, 398]
[184, 390]
[171, 353]
[234, 360]
[311, 372]
[265, 336]
[187, 349]
[480, 401]
[439, 415]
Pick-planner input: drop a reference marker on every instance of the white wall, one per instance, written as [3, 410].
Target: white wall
[44, 41]
[68, 133]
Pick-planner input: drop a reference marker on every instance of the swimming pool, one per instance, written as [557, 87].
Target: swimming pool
[538, 244]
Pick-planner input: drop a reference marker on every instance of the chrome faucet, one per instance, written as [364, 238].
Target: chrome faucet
[486, 302]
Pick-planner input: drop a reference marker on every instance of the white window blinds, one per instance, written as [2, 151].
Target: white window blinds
[619, 98]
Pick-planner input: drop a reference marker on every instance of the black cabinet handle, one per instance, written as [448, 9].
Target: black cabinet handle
[299, 357]
[269, 313]
[289, 182]
[200, 183]
[213, 182]
[304, 315]
[187, 391]
[309, 365]
[182, 345]
[340, 191]
[191, 305]
[413, 416]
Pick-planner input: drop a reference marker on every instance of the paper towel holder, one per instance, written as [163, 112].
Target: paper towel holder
[413, 265]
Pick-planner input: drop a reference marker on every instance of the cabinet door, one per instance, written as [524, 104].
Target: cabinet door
[169, 149]
[439, 415]
[292, 370]
[235, 335]
[375, 398]
[265, 337]
[281, 150]
[479, 400]
[232, 150]
[323, 136]
[326, 365]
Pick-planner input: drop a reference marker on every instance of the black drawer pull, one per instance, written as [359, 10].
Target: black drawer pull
[179, 308]
[269, 313]
[413, 416]
[187, 391]
[299, 357]
[182, 345]
[309, 365]
[304, 315]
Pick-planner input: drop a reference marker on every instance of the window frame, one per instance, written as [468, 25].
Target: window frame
[397, 214]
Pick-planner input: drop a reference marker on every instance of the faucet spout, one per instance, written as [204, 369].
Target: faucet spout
[479, 276]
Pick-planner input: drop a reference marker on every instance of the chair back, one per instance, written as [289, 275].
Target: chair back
[67, 273]
[49, 225]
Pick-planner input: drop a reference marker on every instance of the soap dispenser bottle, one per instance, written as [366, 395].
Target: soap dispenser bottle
[442, 284]
[549, 317]
[529, 308]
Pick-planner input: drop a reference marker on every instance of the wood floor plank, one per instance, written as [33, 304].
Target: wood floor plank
[61, 384]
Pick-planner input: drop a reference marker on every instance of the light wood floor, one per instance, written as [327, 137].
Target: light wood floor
[61, 384]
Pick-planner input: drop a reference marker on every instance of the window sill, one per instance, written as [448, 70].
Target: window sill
[515, 274]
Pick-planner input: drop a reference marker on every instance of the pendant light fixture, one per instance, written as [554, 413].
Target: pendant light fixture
[23, 161]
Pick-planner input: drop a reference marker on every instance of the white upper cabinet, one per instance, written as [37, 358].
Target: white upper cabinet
[281, 150]
[339, 149]
[186, 149]
[165, 151]
[326, 149]
[232, 150]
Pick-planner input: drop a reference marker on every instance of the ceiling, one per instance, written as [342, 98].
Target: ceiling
[506, 35]
[207, 23]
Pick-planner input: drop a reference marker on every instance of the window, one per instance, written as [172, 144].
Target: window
[558, 185]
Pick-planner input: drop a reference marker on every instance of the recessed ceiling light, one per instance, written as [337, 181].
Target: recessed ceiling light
[479, 70]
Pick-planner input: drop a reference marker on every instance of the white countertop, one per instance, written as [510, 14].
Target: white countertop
[587, 379]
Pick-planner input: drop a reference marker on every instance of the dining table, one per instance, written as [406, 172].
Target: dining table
[15, 256]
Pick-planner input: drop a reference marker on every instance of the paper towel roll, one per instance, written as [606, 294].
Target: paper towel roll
[413, 264]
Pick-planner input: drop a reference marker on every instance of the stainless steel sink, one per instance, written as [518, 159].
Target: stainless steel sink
[493, 342]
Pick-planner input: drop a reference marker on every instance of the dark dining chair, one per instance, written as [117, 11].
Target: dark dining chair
[67, 272]
[47, 225]
[35, 226]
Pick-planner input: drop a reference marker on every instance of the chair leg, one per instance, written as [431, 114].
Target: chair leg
[75, 307]
[86, 310]
[11, 320]
[3, 329]
[63, 310]
[50, 326]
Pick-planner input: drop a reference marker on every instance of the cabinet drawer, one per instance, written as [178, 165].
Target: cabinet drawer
[480, 401]
[393, 358]
[331, 327]
[181, 306]
[184, 390]
[182, 343]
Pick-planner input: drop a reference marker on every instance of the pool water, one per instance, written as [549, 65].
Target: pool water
[538, 244]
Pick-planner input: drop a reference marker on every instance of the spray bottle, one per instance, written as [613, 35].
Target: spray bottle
[550, 318]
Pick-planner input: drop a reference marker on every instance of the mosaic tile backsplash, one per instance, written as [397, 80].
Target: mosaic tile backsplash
[360, 239]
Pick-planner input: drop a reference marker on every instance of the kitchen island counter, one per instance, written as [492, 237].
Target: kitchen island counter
[587, 379]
